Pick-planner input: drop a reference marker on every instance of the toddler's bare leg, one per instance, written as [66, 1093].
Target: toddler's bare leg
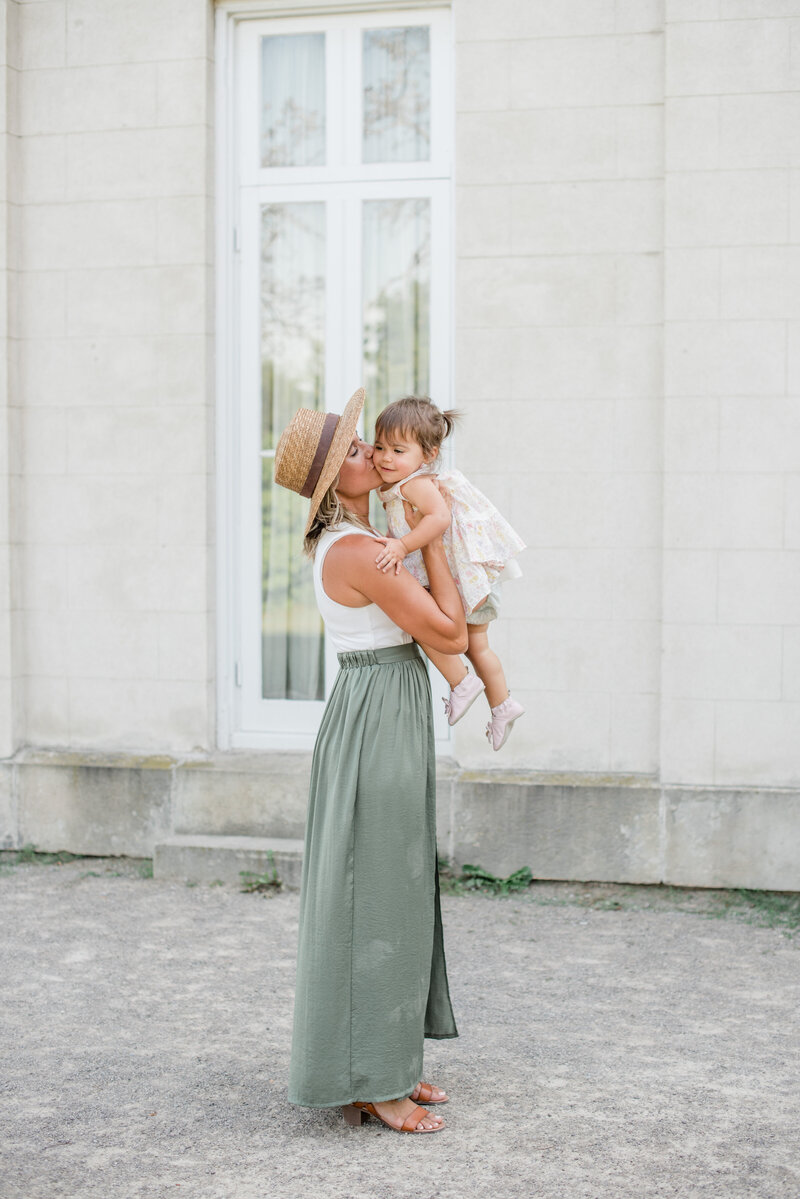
[486, 664]
[451, 666]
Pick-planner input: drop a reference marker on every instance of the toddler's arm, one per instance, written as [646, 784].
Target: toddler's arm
[425, 496]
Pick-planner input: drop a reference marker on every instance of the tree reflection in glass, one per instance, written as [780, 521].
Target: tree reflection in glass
[293, 100]
[397, 94]
[292, 376]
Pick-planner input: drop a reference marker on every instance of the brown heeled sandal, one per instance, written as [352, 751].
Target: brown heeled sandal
[359, 1113]
[425, 1094]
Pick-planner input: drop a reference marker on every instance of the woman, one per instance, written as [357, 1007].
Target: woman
[371, 974]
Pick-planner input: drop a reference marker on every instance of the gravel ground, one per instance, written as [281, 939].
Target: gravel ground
[611, 1045]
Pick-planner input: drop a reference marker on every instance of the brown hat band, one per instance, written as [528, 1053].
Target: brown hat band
[325, 439]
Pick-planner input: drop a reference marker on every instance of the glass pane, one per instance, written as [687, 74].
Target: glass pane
[293, 100]
[397, 94]
[292, 377]
[396, 288]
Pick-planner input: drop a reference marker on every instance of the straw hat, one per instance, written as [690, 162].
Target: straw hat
[312, 448]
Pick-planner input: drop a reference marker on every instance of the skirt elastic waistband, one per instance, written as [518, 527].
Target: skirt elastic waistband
[377, 657]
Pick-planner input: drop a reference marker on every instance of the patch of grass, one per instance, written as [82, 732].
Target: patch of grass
[29, 855]
[477, 878]
[768, 909]
[145, 868]
[269, 882]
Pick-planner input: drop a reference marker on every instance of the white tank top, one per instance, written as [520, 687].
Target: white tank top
[352, 628]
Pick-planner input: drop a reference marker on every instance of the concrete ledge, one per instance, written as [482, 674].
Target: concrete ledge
[205, 859]
[609, 828]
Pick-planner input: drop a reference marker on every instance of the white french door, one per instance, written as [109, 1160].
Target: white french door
[340, 206]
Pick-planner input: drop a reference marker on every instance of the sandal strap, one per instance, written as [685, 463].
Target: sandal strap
[424, 1092]
[411, 1122]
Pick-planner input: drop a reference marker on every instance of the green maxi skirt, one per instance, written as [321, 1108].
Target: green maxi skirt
[371, 974]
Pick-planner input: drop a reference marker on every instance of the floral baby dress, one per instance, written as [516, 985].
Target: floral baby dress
[480, 544]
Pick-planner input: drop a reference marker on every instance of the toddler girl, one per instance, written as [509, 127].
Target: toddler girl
[478, 541]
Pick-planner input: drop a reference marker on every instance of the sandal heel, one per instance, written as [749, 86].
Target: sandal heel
[354, 1116]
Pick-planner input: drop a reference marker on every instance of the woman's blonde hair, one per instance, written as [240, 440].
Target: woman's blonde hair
[330, 513]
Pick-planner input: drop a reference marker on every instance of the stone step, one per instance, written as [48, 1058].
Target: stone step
[201, 858]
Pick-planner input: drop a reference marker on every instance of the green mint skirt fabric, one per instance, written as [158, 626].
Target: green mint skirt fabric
[371, 973]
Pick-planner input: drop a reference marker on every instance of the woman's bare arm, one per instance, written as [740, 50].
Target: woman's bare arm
[437, 619]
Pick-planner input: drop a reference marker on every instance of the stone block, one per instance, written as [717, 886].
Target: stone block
[758, 743]
[691, 511]
[687, 740]
[41, 169]
[44, 441]
[476, 21]
[75, 511]
[137, 441]
[128, 164]
[572, 508]
[141, 300]
[690, 585]
[41, 39]
[46, 711]
[141, 31]
[44, 569]
[483, 76]
[571, 584]
[8, 807]
[692, 434]
[723, 57]
[634, 734]
[62, 236]
[760, 282]
[585, 362]
[538, 146]
[738, 10]
[39, 305]
[738, 662]
[163, 715]
[639, 289]
[759, 435]
[640, 16]
[586, 71]
[185, 92]
[183, 509]
[184, 368]
[692, 284]
[634, 510]
[691, 10]
[184, 230]
[725, 357]
[758, 586]
[75, 100]
[732, 839]
[205, 859]
[638, 436]
[556, 655]
[482, 221]
[183, 646]
[640, 142]
[45, 639]
[508, 292]
[100, 371]
[113, 578]
[794, 206]
[750, 511]
[483, 364]
[580, 831]
[558, 435]
[727, 208]
[635, 650]
[241, 793]
[93, 809]
[791, 535]
[760, 131]
[184, 580]
[112, 645]
[691, 131]
[636, 591]
[622, 216]
[791, 664]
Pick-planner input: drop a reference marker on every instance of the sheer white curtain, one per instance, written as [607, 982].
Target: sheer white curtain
[293, 100]
[292, 377]
[397, 94]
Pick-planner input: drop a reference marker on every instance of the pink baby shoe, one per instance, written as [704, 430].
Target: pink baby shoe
[502, 722]
[461, 697]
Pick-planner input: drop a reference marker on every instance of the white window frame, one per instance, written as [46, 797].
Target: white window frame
[245, 720]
